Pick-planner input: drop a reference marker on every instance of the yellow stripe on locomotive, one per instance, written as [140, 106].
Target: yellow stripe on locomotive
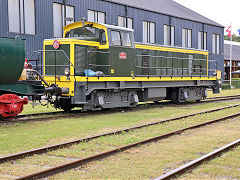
[99, 58]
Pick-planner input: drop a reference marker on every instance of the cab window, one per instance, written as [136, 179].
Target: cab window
[116, 38]
[86, 33]
[103, 39]
[126, 40]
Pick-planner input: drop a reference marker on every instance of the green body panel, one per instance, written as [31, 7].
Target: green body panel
[12, 58]
[62, 61]
[22, 88]
[122, 67]
[138, 62]
[162, 63]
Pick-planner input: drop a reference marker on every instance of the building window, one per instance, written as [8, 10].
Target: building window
[169, 35]
[21, 15]
[96, 16]
[186, 38]
[59, 20]
[215, 43]
[148, 32]
[202, 40]
[125, 22]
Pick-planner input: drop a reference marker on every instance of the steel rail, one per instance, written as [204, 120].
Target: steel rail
[75, 111]
[31, 117]
[182, 169]
[38, 114]
[87, 139]
[76, 163]
[220, 97]
[50, 113]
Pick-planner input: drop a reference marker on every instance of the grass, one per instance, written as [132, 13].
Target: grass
[151, 160]
[225, 167]
[227, 92]
[20, 136]
[29, 109]
[107, 143]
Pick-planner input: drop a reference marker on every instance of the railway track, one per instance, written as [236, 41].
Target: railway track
[223, 97]
[67, 144]
[76, 163]
[70, 143]
[78, 113]
[182, 169]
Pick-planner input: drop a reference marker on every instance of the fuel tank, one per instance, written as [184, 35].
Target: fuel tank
[12, 58]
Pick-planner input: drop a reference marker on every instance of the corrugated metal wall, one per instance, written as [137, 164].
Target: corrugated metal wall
[44, 23]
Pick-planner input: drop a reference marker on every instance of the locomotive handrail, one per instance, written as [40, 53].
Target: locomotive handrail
[187, 58]
[56, 65]
[42, 51]
[168, 76]
[98, 52]
[39, 75]
[99, 65]
[52, 65]
[144, 67]
[96, 65]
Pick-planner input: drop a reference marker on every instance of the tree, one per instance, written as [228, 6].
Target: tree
[234, 38]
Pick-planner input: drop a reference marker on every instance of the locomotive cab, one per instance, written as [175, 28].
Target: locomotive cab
[114, 48]
[87, 49]
[97, 66]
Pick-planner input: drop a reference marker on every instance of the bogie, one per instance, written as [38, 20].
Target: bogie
[107, 69]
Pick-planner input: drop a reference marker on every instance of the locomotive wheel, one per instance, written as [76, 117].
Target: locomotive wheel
[66, 108]
[175, 95]
[66, 105]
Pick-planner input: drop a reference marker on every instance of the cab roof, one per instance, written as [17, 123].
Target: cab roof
[97, 25]
[117, 27]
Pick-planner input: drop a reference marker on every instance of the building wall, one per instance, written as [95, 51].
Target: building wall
[44, 23]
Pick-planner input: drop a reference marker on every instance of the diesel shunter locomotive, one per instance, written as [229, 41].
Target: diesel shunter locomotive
[96, 66]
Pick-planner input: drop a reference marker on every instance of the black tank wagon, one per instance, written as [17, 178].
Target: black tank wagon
[99, 66]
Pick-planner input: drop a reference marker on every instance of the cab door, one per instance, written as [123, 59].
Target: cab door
[122, 54]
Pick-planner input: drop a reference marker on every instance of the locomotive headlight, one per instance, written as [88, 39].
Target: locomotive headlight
[67, 72]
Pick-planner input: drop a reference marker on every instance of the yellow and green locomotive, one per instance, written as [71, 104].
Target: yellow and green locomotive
[96, 66]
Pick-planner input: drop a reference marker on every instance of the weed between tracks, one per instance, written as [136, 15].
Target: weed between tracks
[152, 160]
[226, 166]
[24, 136]
[227, 92]
[110, 142]
[28, 109]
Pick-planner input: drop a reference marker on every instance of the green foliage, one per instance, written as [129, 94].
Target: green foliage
[236, 83]
[234, 38]
[226, 86]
